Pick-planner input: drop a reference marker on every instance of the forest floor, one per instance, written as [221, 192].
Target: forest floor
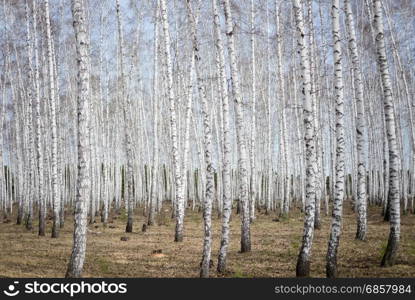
[275, 247]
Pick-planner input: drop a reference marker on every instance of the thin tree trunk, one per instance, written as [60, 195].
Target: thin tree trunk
[303, 262]
[179, 194]
[253, 129]
[126, 106]
[360, 126]
[31, 92]
[153, 195]
[285, 203]
[331, 266]
[83, 179]
[394, 157]
[240, 136]
[54, 146]
[227, 181]
[209, 191]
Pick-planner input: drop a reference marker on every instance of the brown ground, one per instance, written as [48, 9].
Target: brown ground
[275, 247]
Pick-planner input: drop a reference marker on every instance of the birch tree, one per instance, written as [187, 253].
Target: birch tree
[253, 128]
[173, 128]
[209, 191]
[54, 145]
[360, 124]
[39, 129]
[153, 196]
[226, 171]
[31, 92]
[331, 267]
[285, 203]
[240, 136]
[389, 256]
[83, 184]
[126, 106]
[303, 262]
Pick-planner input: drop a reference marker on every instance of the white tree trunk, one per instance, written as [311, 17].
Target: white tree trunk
[394, 157]
[209, 191]
[303, 262]
[227, 183]
[83, 184]
[285, 203]
[31, 93]
[253, 124]
[240, 136]
[173, 128]
[360, 126]
[316, 107]
[331, 266]
[54, 142]
[154, 173]
[126, 106]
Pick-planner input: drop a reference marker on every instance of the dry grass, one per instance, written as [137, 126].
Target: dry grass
[275, 247]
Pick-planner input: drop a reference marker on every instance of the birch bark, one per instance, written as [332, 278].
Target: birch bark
[303, 262]
[153, 196]
[240, 136]
[226, 172]
[173, 128]
[253, 124]
[394, 157]
[209, 191]
[54, 145]
[83, 184]
[31, 91]
[331, 266]
[126, 106]
[360, 125]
